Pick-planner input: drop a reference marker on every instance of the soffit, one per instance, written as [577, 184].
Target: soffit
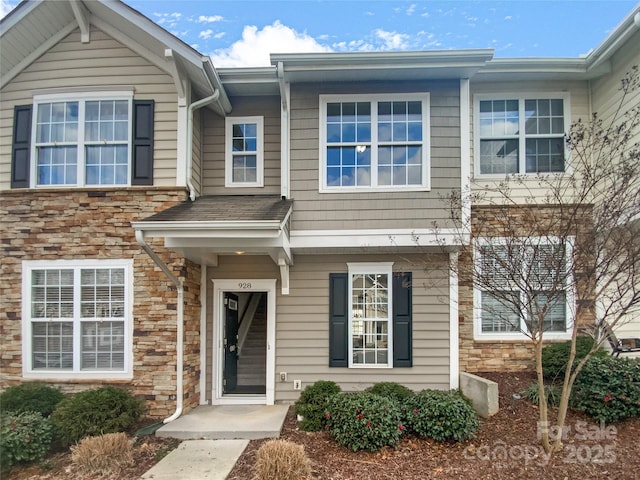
[35, 25]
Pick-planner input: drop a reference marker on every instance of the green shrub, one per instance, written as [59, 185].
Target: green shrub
[312, 404]
[95, 412]
[552, 392]
[391, 390]
[441, 415]
[556, 356]
[364, 421]
[608, 389]
[24, 437]
[31, 397]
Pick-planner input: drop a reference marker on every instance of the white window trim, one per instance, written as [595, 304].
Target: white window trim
[385, 268]
[81, 98]
[228, 156]
[570, 297]
[520, 96]
[27, 371]
[426, 143]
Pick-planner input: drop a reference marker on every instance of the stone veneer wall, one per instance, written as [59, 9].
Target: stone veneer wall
[505, 355]
[96, 224]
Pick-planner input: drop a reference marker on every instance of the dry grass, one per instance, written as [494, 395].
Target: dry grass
[282, 460]
[106, 453]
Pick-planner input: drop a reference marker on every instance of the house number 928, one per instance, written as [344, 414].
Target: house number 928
[244, 285]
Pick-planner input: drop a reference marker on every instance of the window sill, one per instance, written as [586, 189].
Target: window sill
[79, 377]
[374, 190]
[517, 337]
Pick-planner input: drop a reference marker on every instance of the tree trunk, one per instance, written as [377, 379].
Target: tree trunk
[542, 402]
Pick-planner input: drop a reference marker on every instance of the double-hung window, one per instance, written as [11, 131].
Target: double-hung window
[518, 282]
[521, 133]
[244, 158]
[374, 142]
[77, 318]
[82, 140]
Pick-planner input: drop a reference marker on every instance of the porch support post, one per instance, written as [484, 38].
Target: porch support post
[284, 275]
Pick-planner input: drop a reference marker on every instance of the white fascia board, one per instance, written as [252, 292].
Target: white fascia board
[301, 239]
[618, 36]
[207, 226]
[147, 25]
[574, 66]
[432, 58]
[16, 15]
[230, 244]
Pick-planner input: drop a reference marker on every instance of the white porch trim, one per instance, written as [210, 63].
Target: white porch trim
[300, 239]
[454, 347]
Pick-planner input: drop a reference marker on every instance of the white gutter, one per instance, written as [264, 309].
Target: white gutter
[180, 324]
[192, 108]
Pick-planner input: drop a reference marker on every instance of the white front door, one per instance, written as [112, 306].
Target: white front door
[221, 289]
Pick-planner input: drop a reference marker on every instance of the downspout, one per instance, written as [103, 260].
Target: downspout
[180, 324]
[192, 108]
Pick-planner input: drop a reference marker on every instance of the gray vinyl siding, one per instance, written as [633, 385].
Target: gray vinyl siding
[104, 62]
[214, 146]
[373, 210]
[231, 267]
[606, 91]
[302, 321]
[196, 150]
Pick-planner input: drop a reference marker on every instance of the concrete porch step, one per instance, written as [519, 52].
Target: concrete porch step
[227, 422]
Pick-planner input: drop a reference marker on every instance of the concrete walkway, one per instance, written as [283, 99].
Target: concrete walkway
[227, 422]
[198, 460]
[215, 437]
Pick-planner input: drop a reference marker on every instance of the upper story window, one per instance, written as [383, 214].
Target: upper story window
[515, 277]
[521, 133]
[244, 158]
[374, 142]
[77, 318]
[82, 141]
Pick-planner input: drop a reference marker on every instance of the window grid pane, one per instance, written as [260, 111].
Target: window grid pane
[102, 346]
[370, 319]
[499, 313]
[52, 345]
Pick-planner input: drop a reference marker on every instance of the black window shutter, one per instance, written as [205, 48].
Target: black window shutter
[338, 320]
[402, 336]
[21, 148]
[142, 165]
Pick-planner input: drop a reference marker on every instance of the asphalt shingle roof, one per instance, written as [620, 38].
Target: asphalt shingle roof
[226, 208]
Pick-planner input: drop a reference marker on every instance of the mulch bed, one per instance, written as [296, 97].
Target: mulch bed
[505, 447]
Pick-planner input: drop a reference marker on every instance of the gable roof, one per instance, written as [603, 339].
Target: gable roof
[35, 26]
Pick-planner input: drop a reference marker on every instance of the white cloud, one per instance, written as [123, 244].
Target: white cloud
[205, 34]
[219, 35]
[392, 40]
[256, 45]
[6, 7]
[210, 18]
[508, 17]
[168, 20]
[411, 9]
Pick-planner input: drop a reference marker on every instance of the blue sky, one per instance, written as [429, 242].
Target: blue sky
[244, 32]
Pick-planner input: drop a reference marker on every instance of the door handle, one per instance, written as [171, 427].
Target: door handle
[232, 348]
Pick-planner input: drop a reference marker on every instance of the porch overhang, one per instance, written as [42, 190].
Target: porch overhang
[226, 225]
